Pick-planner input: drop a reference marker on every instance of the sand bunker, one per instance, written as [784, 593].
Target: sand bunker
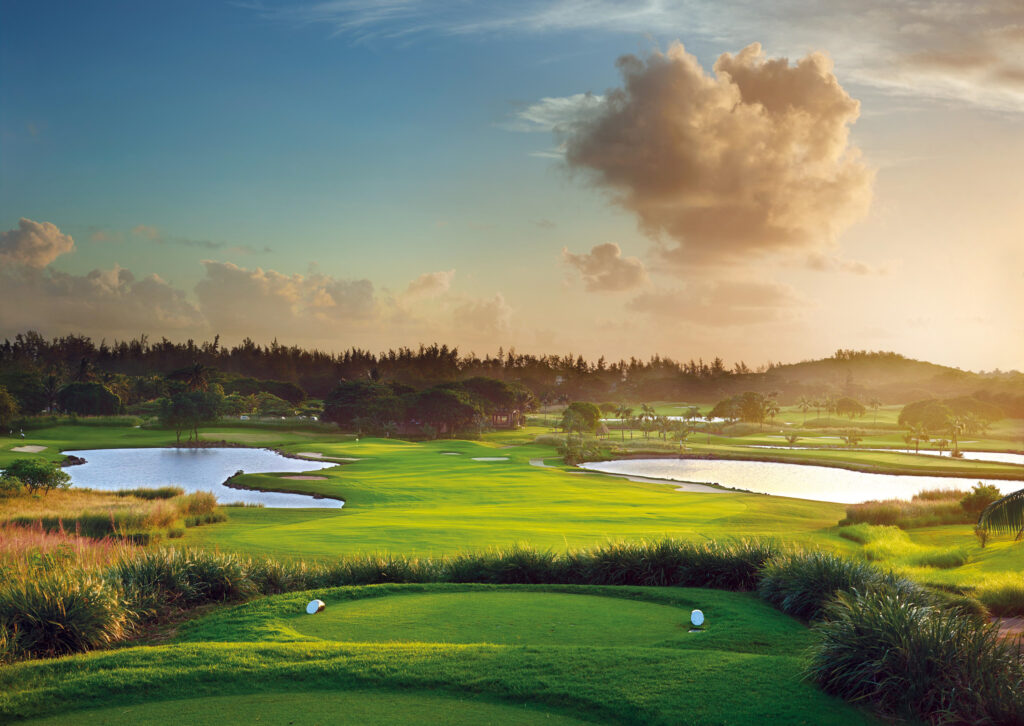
[490, 458]
[306, 478]
[317, 455]
[450, 453]
[29, 449]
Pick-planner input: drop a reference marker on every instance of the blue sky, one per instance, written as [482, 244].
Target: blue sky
[334, 142]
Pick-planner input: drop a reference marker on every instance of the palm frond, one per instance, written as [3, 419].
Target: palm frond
[1004, 515]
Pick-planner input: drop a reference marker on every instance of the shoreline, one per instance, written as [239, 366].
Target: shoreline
[849, 466]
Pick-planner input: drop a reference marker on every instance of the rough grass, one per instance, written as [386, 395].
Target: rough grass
[99, 515]
[930, 508]
[1003, 595]
[915, 661]
[893, 546]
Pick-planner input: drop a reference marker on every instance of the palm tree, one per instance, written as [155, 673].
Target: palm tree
[804, 404]
[771, 407]
[1004, 515]
[197, 377]
[920, 433]
[623, 412]
[681, 434]
[942, 444]
[874, 404]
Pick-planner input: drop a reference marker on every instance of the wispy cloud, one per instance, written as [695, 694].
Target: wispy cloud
[153, 234]
[960, 51]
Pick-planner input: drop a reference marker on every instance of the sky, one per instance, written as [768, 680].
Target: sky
[756, 181]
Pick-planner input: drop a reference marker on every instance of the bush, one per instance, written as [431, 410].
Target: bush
[801, 584]
[11, 486]
[197, 503]
[912, 660]
[60, 612]
[37, 474]
[980, 497]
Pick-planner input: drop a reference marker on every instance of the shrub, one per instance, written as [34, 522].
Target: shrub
[802, 583]
[11, 486]
[912, 660]
[37, 474]
[197, 503]
[60, 612]
[980, 497]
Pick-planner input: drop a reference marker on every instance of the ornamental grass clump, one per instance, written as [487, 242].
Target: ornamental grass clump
[157, 580]
[916, 661]
[60, 612]
[802, 583]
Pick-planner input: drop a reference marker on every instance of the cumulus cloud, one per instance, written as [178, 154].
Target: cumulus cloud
[604, 269]
[236, 298]
[753, 159]
[722, 302]
[34, 244]
[103, 302]
[489, 316]
[430, 284]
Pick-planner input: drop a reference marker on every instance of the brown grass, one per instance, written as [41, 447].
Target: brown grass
[929, 508]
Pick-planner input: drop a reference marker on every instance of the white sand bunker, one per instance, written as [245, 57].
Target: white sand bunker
[317, 455]
[306, 478]
[29, 449]
[450, 453]
[490, 458]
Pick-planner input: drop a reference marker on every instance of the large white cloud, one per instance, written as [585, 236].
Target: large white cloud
[236, 298]
[753, 159]
[34, 244]
[103, 302]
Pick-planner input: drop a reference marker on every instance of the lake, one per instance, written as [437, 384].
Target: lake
[820, 483]
[194, 470]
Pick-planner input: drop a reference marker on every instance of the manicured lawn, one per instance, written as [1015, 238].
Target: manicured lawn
[418, 498]
[744, 669]
[320, 707]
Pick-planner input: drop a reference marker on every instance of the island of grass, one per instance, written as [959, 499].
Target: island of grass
[476, 653]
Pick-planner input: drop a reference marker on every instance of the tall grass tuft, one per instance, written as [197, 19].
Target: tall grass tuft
[60, 612]
[915, 661]
[929, 508]
[1003, 596]
[802, 584]
[158, 580]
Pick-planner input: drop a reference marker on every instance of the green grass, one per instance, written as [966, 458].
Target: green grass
[512, 615]
[745, 668]
[410, 498]
[322, 707]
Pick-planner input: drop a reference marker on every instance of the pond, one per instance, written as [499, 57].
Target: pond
[997, 456]
[820, 483]
[194, 470]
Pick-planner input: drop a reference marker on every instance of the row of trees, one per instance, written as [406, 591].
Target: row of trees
[447, 408]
